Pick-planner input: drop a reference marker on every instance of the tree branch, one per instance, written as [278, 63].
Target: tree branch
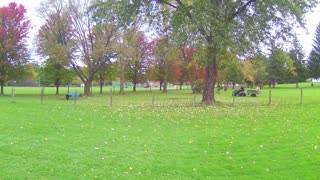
[242, 8]
[169, 4]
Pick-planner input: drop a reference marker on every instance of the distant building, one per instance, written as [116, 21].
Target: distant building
[315, 80]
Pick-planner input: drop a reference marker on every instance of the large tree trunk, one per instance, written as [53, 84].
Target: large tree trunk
[165, 86]
[122, 68]
[101, 83]
[101, 87]
[165, 77]
[210, 80]
[87, 87]
[161, 84]
[208, 89]
[134, 87]
[57, 89]
[134, 81]
[57, 84]
[2, 85]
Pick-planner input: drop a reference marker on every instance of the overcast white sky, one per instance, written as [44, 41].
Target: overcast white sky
[305, 36]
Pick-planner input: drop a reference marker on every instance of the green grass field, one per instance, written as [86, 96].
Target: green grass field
[151, 135]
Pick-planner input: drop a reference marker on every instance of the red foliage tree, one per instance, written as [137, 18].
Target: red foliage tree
[192, 71]
[14, 28]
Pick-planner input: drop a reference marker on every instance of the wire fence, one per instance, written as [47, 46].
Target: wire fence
[155, 98]
[285, 96]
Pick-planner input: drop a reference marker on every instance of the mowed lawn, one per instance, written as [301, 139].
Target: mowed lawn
[151, 135]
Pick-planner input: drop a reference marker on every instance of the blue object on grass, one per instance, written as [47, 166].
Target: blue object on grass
[68, 95]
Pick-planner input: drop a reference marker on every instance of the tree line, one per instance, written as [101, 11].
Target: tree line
[203, 44]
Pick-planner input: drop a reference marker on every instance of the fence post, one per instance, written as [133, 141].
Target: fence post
[233, 100]
[110, 97]
[152, 100]
[12, 94]
[42, 94]
[301, 96]
[269, 97]
[194, 101]
[75, 97]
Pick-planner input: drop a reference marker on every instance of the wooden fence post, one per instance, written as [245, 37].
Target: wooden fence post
[75, 97]
[233, 100]
[42, 94]
[13, 91]
[269, 97]
[301, 93]
[110, 97]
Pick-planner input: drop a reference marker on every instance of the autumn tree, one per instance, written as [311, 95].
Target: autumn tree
[138, 55]
[187, 65]
[165, 60]
[254, 70]
[55, 42]
[168, 61]
[175, 72]
[14, 27]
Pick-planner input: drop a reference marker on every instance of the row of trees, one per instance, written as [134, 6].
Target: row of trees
[200, 43]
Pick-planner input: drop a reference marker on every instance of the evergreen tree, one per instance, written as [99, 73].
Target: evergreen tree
[314, 58]
[300, 69]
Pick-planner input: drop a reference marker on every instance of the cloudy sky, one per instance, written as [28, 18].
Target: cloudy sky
[305, 36]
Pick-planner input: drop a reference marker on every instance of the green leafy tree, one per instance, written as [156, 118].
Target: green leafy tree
[314, 64]
[106, 74]
[56, 73]
[279, 66]
[14, 27]
[55, 42]
[96, 40]
[255, 70]
[236, 25]
[71, 35]
[161, 62]
[138, 56]
[232, 71]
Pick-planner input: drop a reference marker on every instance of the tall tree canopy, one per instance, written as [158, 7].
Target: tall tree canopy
[72, 36]
[240, 26]
[55, 40]
[14, 27]
[138, 54]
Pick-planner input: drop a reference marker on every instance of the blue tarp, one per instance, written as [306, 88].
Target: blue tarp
[73, 94]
